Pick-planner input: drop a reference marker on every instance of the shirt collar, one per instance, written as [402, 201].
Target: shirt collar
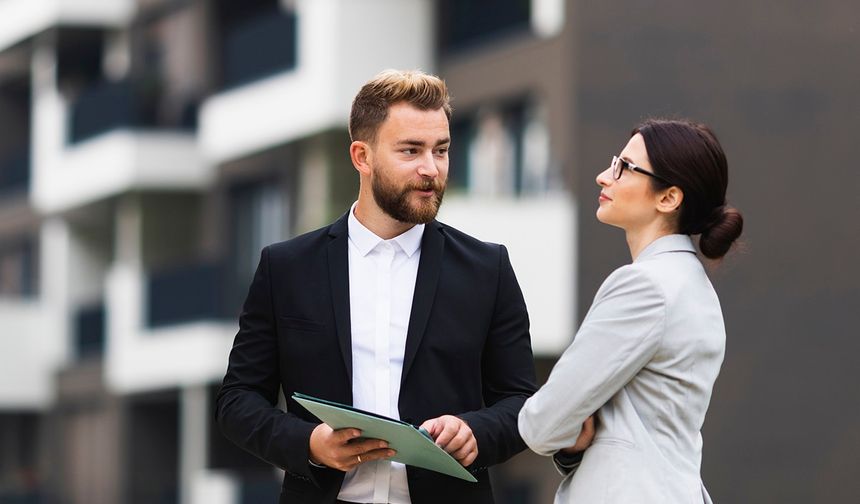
[366, 240]
[668, 243]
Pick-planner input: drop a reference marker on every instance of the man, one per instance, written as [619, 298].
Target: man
[390, 311]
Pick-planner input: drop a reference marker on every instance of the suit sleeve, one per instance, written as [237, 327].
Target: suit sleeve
[508, 373]
[618, 337]
[246, 407]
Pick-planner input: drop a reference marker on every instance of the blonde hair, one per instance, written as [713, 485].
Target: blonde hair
[371, 104]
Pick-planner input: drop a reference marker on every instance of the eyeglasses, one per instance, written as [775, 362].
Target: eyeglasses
[619, 165]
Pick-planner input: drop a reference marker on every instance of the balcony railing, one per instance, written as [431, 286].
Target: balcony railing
[122, 104]
[89, 330]
[15, 170]
[465, 23]
[186, 294]
[258, 46]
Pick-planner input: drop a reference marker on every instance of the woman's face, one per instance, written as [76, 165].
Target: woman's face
[629, 202]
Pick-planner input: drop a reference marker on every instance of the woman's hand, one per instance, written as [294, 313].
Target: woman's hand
[583, 441]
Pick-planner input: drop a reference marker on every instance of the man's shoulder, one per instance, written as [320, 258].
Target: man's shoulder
[306, 243]
[458, 239]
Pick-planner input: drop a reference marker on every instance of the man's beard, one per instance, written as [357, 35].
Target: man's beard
[396, 203]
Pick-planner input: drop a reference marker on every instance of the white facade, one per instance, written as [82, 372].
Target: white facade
[26, 359]
[539, 235]
[336, 55]
[20, 19]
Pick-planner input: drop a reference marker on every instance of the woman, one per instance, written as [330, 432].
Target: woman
[647, 354]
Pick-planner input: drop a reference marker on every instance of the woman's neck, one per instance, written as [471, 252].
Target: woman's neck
[638, 239]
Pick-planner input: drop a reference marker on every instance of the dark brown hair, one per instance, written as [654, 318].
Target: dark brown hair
[371, 104]
[688, 155]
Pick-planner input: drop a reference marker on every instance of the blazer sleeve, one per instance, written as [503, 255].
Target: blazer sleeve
[618, 337]
[246, 406]
[508, 373]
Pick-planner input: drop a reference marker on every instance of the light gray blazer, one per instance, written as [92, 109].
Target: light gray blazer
[645, 359]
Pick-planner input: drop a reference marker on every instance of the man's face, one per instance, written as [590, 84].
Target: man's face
[410, 163]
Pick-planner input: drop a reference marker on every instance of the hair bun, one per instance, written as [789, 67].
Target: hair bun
[718, 237]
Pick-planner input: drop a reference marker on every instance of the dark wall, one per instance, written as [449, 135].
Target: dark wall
[778, 82]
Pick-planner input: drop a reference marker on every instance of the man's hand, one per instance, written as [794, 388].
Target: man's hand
[583, 441]
[454, 436]
[342, 450]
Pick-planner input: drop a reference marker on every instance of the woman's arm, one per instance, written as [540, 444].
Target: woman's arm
[618, 337]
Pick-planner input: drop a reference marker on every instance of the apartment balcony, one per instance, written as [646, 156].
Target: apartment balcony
[30, 349]
[186, 294]
[540, 235]
[114, 143]
[262, 45]
[165, 329]
[21, 19]
[89, 330]
[292, 86]
[15, 171]
[125, 104]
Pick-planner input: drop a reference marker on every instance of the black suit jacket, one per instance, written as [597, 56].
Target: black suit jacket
[468, 353]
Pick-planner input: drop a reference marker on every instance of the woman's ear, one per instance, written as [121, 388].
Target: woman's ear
[362, 156]
[669, 200]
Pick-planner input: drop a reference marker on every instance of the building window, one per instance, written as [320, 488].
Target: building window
[187, 293]
[260, 217]
[18, 269]
[466, 23]
[258, 39]
[89, 330]
[501, 150]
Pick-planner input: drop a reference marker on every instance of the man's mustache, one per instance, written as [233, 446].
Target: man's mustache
[435, 185]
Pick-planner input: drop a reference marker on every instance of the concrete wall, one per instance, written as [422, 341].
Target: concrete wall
[777, 81]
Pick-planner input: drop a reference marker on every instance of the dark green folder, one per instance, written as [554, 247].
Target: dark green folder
[414, 447]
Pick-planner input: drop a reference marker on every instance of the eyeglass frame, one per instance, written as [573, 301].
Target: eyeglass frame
[616, 173]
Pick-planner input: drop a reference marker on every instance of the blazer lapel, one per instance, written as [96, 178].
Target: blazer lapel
[338, 269]
[429, 266]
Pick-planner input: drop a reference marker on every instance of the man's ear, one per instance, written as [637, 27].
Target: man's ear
[669, 200]
[362, 156]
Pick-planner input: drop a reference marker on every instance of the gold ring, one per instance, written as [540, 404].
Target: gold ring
[359, 458]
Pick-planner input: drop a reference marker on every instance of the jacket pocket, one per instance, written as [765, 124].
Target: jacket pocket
[300, 324]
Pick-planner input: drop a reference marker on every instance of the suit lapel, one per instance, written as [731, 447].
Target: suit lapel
[338, 269]
[429, 266]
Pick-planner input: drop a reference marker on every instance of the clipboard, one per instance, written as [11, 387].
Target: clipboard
[413, 446]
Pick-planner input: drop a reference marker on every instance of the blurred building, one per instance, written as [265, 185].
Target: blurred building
[154, 147]
[151, 148]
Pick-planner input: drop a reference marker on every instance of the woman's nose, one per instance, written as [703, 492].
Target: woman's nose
[604, 178]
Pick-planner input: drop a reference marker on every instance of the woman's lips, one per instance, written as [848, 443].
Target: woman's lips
[604, 197]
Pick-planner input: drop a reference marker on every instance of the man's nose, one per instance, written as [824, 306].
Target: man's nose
[427, 166]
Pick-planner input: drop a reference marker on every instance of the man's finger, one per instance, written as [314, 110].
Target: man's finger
[449, 430]
[343, 436]
[464, 451]
[460, 439]
[467, 461]
[382, 453]
[364, 446]
[430, 426]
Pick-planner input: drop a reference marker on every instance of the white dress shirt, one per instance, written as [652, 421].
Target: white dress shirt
[382, 277]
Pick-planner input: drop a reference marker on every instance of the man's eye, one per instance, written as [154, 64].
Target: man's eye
[410, 151]
[442, 151]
